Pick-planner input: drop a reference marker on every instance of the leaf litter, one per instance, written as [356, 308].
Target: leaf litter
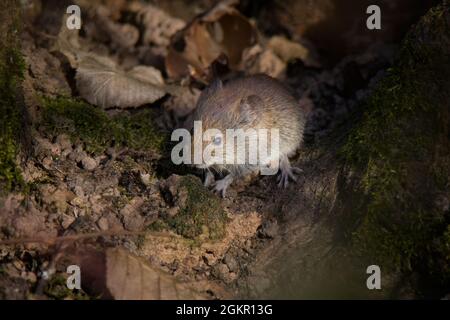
[110, 67]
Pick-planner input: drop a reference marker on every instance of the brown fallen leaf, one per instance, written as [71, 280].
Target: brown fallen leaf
[101, 82]
[288, 50]
[117, 274]
[158, 25]
[68, 43]
[101, 27]
[220, 31]
[115, 7]
[257, 60]
[183, 104]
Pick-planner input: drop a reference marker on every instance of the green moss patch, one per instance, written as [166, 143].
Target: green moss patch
[401, 149]
[12, 68]
[200, 214]
[93, 127]
[57, 289]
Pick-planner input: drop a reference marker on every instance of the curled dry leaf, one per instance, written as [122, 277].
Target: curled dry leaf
[262, 60]
[269, 63]
[184, 103]
[68, 44]
[101, 27]
[288, 50]
[158, 25]
[222, 7]
[273, 58]
[102, 83]
[221, 31]
[117, 274]
[115, 7]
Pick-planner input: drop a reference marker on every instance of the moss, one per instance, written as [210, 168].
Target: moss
[12, 67]
[157, 225]
[401, 151]
[57, 289]
[93, 127]
[202, 214]
[137, 131]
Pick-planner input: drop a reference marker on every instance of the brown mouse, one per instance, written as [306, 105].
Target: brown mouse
[256, 102]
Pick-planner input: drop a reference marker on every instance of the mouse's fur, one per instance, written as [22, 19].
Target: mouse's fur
[251, 102]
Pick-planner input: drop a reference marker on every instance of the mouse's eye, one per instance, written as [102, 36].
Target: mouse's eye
[217, 140]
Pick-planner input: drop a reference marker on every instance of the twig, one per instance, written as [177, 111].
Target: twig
[70, 237]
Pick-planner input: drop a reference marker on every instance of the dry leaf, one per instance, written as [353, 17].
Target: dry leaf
[115, 7]
[101, 27]
[288, 50]
[184, 103]
[158, 25]
[220, 31]
[102, 83]
[68, 44]
[222, 7]
[117, 274]
[258, 60]
[270, 64]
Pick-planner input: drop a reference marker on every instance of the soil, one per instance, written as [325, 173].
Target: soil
[258, 242]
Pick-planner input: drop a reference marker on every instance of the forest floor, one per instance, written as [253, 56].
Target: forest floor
[101, 176]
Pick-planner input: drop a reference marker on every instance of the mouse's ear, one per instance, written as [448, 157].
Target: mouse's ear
[249, 108]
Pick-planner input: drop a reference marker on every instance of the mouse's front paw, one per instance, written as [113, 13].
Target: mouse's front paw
[286, 174]
[209, 179]
[220, 186]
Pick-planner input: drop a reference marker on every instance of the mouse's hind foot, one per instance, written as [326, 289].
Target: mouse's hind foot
[220, 186]
[287, 172]
[209, 179]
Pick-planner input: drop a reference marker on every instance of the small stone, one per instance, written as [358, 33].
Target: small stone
[146, 178]
[132, 218]
[18, 265]
[52, 217]
[172, 212]
[64, 141]
[89, 163]
[47, 162]
[221, 269]
[77, 154]
[209, 258]
[79, 191]
[96, 204]
[29, 276]
[77, 201]
[134, 223]
[67, 221]
[231, 262]
[103, 224]
[268, 230]
[60, 198]
[222, 272]
[65, 153]
[45, 147]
